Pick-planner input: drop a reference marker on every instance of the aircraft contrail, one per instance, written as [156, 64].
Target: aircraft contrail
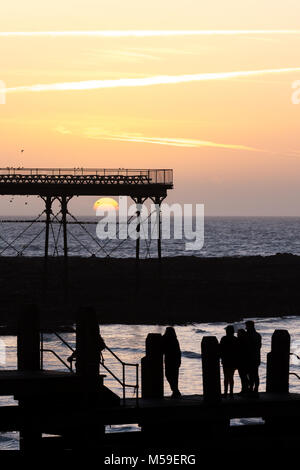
[147, 81]
[148, 33]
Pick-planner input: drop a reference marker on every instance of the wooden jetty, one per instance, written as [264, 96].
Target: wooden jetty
[76, 407]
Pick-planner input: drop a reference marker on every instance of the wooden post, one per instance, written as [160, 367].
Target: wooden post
[278, 363]
[28, 354]
[87, 344]
[28, 340]
[211, 368]
[152, 368]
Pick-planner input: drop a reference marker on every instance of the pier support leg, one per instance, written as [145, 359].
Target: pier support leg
[157, 201]
[64, 211]
[48, 203]
[139, 203]
[159, 233]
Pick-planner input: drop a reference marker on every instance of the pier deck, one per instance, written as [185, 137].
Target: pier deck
[85, 181]
[166, 411]
[195, 408]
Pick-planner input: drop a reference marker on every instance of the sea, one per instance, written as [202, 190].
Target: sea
[223, 236]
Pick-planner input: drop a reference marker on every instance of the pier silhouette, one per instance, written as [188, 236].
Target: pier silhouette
[62, 184]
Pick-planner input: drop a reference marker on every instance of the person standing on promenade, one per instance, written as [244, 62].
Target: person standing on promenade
[254, 347]
[229, 354]
[172, 353]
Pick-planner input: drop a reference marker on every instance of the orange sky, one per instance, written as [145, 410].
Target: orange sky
[233, 142]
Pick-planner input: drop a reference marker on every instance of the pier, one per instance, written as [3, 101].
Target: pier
[62, 184]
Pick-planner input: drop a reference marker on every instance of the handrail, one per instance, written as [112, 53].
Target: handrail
[117, 357]
[124, 364]
[294, 354]
[294, 373]
[123, 381]
[64, 341]
[60, 359]
[42, 349]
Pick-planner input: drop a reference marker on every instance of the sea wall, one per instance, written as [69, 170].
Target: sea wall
[177, 290]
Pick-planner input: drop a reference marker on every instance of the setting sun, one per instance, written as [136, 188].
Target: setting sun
[106, 204]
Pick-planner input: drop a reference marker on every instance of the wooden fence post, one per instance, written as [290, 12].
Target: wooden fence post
[152, 368]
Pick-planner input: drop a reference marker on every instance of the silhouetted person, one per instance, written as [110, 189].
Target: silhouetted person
[172, 355]
[243, 359]
[228, 353]
[254, 346]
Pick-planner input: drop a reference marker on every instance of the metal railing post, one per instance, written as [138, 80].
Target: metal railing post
[123, 380]
[137, 384]
[42, 351]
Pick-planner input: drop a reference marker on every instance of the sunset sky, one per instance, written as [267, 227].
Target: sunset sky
[167, 88]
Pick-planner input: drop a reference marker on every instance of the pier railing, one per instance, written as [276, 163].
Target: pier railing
[51, 351]
[122, 381]
[295, 373]
[68, 175]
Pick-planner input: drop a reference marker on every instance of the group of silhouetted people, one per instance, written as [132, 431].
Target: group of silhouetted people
[242, 353]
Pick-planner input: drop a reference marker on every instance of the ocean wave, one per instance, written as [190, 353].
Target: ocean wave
[134, 350]
[191, 355]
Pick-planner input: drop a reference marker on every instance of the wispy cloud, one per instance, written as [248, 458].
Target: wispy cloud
[147, 81]
[122, 55]
[148, 33]
[101, 134]
[63, 130]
